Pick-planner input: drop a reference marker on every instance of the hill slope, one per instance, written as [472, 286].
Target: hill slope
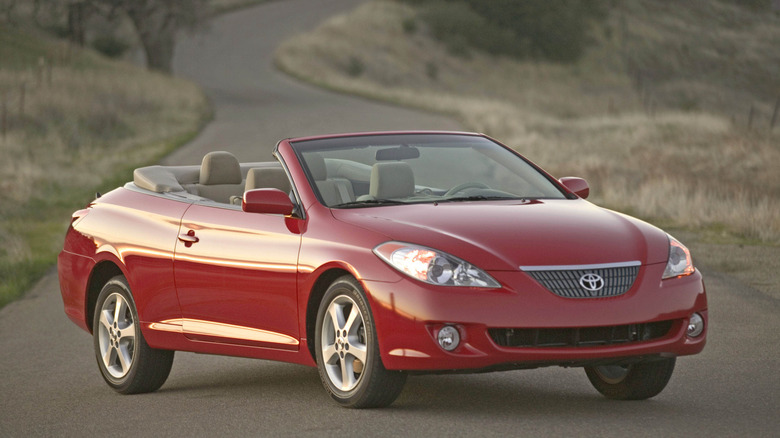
[665, 148]
[72, 123]
[654, 116]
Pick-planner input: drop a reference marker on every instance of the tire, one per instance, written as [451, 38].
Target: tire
[347, 350]
[126, 361]
[638, 381]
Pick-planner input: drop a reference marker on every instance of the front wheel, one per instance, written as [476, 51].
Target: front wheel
[347, 350]
[126, 362]
[637, 381]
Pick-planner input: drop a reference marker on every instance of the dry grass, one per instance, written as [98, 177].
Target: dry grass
[715, 56]
[82, 125]
[86, 122]
[654, 116]
[685, 168]
[78, 127]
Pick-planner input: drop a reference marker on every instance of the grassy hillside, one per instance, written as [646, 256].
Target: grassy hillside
[73, 123]
[654, 115]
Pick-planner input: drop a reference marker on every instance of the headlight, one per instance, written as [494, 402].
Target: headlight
[679, 263]
[432, 266]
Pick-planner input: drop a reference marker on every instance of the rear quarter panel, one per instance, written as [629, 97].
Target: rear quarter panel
[135, 231]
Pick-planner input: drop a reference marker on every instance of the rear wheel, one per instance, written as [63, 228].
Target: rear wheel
[126, 362]
[347, 352]
[637, 381]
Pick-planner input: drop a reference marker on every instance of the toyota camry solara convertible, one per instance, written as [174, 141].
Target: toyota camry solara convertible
[374, 256]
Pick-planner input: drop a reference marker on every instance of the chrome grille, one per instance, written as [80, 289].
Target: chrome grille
[565, 281]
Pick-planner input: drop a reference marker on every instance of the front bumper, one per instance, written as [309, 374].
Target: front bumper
[409, 314]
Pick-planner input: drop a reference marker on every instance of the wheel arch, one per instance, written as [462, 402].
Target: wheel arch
[101, 273]
[313, 304]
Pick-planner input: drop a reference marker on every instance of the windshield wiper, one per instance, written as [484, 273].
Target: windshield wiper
[477, 198]
[368, 203]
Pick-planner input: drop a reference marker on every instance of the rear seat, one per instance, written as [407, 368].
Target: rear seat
[220, 177]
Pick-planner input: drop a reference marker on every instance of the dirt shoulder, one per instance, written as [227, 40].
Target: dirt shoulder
[758, 266]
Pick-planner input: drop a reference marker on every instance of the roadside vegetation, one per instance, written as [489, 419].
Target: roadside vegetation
[669, 111]
[73, 123]
[76, 120]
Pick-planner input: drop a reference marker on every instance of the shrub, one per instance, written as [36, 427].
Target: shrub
[410, 26]
[432, 70]
[110, 46]
[355, 66]
[555, 30]
[459, 27]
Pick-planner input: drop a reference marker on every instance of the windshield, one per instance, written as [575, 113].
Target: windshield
[374, 170]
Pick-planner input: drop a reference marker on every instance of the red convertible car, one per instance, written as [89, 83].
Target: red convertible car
[375, 255]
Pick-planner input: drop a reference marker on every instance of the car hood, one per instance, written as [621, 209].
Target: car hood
[504, 235]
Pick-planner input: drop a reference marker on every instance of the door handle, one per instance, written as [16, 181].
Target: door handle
[189, 238]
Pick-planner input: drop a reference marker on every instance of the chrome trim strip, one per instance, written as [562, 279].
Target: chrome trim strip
[407, 352]
[221, 330]
[581, 267]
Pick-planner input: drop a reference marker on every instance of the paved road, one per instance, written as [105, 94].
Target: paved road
[256, 105]
[50, 384]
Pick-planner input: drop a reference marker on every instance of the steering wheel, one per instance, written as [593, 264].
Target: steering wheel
[466, 185]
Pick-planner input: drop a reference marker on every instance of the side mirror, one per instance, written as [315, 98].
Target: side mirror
[578, 186]
[268, 201]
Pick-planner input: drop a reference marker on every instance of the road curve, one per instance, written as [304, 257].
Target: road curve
[256, 106]
[50, 384]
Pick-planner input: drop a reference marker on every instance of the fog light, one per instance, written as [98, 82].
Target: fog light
[449, 338]
[695, 325]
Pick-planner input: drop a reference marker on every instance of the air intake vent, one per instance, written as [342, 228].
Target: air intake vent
[579, 337]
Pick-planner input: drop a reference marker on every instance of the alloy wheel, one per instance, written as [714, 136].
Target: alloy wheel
[116, 336]
[344, 346]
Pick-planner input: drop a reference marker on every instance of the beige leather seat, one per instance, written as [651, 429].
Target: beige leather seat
[391, 180]
[220, 177]
[264, 178]
[267, 178]
[333, 191]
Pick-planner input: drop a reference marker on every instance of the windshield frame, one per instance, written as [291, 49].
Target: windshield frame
[422, 139]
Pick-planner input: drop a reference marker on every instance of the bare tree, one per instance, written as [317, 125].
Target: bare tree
[7, 9]
[78, 13]
[156, 22]
[49, 14]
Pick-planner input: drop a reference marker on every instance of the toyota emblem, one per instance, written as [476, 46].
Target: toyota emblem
[592, 282]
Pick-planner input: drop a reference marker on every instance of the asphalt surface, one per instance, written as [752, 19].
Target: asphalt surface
[50, 384]
[256, 106]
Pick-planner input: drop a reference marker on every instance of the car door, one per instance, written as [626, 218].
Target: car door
[235, 276]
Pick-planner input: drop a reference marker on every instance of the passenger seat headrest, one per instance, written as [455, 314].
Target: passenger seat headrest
[391, 180]
[220, 167]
